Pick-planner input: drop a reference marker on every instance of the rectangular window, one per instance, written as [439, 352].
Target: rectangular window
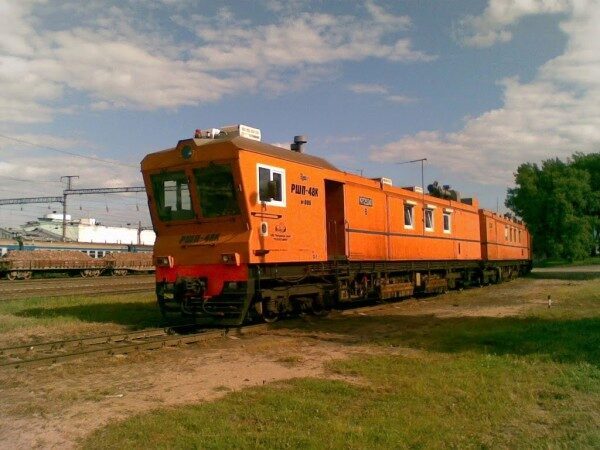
[409, 217]
[520, 236]
[506, 232]
[172, 196]
[216, 191]
[271, 185]
[429, 220]
[447, 222]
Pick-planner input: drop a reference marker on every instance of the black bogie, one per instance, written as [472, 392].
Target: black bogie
[276, 291]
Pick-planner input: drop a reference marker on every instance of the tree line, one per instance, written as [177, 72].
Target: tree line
[560, 202]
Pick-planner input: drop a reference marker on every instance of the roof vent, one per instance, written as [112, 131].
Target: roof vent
[299, 141]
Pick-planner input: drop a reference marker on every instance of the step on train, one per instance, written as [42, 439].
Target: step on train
[248, 231]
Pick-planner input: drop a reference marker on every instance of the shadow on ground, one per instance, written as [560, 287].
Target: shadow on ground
[134, 315]
[559, 340]
[557, 275]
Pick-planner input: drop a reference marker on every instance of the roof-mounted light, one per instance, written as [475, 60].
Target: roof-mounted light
[230, 131]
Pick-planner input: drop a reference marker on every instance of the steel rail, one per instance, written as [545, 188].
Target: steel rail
[155, 338]
[80, 342]
[123, 346]
[90, 292]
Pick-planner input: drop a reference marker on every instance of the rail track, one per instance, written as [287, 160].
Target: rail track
[47, 353]
[54, 287]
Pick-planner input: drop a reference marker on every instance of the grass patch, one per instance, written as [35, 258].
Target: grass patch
[476, 382]
[555, 340]
[430, 401]
[558, 274]
[131, 311]
[591, 261]
[567, 332]
[290, 360]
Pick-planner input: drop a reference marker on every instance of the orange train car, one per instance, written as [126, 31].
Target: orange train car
[251, 231]
[503, 238]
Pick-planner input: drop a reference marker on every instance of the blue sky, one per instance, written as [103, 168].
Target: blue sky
[477, 87]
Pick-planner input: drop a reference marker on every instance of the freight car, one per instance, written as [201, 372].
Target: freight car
[250, 231]
[87, 260]
[93, 249]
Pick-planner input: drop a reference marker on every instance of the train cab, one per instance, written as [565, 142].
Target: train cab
[222, 201]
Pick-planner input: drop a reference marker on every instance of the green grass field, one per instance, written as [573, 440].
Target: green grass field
[71, 314]
[591, 261]
[526, 381]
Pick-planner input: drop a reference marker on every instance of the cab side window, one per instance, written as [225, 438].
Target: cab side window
[271, 185]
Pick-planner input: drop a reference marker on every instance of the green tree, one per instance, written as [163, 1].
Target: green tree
[591, 164]
[559, 204]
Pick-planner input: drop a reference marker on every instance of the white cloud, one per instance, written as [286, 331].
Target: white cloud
[555, 114]
[48, 157]
[379, 89]
[33, 172]
[365, 88]
[402, 99]
[118, 59]
[493, 25]
[303, 39]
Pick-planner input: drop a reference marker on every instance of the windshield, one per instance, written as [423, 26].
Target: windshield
[216, 191]
[172, 196]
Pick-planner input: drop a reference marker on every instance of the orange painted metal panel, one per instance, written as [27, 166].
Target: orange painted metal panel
[503, 238]
[367, 217]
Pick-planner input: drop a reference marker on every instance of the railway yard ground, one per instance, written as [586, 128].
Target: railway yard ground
[485, 367]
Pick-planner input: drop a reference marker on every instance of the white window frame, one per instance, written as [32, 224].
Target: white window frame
[447, 214]
[411, 207]
[272, 170]
[429, 210]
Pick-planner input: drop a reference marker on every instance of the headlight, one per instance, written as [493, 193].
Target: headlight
[230, 258]
[164, 261]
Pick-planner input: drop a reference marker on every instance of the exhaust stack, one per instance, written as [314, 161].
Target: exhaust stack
[299, 141]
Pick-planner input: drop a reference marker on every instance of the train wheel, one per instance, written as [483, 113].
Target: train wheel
[26, 274]
[317, 307]
[270, 312]
[12, 275]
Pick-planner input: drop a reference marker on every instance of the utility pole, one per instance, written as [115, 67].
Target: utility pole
[69, 178]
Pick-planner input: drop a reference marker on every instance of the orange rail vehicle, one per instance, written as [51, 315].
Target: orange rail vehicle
[251, 231]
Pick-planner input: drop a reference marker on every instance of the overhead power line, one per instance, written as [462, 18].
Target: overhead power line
[66, 193]
[29, 181]
[66, 152]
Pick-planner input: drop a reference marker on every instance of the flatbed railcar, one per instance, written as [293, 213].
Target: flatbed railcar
[93, 249]
[21, 259]
[251, 231]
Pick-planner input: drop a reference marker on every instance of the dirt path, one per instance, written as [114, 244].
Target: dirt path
[52, 407]
[57, 406]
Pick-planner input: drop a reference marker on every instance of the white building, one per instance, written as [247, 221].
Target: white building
[87, 230]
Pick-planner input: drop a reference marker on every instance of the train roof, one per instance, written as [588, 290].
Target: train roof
[251, 145]
[280, 152]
